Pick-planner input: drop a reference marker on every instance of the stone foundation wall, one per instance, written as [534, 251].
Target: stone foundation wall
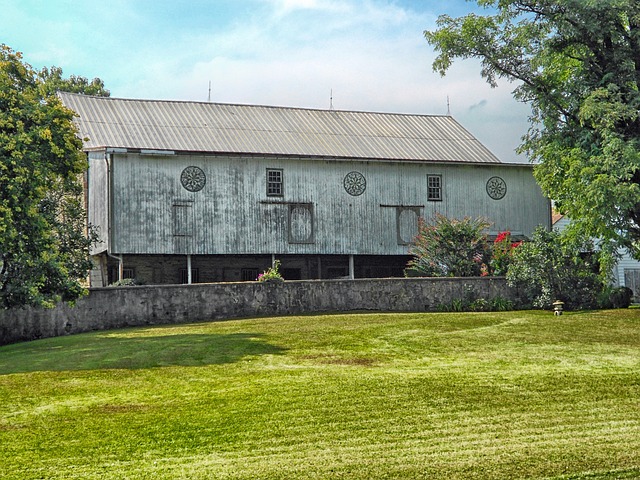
[117, 307]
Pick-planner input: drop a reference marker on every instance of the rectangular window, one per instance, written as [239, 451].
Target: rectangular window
[195, 275]
[274, 183]
[113, 273]
[434, 188]
[291, 274]
[249, 274]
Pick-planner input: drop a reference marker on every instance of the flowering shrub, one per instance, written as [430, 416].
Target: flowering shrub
[503, 248]
[450, 248]
[271, 274]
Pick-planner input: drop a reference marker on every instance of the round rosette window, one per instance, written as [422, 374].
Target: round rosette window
[354, 183]
[193, 179]
[496, 188]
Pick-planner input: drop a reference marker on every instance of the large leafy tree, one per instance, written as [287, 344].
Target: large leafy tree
[43, 237]
[577, 63]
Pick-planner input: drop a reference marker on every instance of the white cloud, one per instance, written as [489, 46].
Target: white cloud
[345, 49]
[285, 7]
[296, 59]
[371, 53]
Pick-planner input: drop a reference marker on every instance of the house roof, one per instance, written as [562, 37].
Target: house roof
[252, 129]
[556, 217]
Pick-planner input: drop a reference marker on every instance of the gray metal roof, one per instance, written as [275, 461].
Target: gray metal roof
[252, 129]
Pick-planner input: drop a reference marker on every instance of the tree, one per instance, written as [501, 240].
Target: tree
[43, 238]
[53, 81]
[450, 248]
[577, 63]
[550, 267]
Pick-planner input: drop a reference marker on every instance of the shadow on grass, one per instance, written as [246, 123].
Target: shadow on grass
[116, 352]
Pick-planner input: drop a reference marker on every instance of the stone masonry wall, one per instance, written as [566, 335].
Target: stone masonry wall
[117, 307]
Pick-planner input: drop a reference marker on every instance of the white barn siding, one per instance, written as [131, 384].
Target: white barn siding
[97, 193]
[232, 214]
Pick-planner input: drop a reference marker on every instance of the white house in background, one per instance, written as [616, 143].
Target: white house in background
[626, 273]
[200, 192]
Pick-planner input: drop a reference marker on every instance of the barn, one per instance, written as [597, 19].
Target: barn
[185, 192]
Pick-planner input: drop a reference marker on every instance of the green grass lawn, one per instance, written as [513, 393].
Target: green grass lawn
[437, 395]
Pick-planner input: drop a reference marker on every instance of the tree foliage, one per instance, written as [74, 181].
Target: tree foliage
[550, 267]
[52, 81]
[447, 247]
[577, 63]
[43, 237]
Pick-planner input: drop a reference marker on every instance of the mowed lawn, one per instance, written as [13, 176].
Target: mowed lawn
[436, 395]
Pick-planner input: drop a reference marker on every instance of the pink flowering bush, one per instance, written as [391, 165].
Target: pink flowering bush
[448, 247]
[459, 248]
[271, 274]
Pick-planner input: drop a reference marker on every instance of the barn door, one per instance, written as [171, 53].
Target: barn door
[182, 226]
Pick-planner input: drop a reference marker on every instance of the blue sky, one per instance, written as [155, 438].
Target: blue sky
[370, 53]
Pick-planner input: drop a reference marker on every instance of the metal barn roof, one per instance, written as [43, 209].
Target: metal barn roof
[251, 129]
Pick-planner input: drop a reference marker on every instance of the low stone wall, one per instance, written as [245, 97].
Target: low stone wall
[117, 307]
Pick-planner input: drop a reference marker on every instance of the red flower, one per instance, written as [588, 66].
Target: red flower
[502, 236]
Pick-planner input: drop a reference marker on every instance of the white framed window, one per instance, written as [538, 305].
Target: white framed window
[275, 182]
[434, 188]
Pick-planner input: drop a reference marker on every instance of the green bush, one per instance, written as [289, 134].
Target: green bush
[549, 268]
[500, 304]
[620, 297]
[450, 248]
[480, 305]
